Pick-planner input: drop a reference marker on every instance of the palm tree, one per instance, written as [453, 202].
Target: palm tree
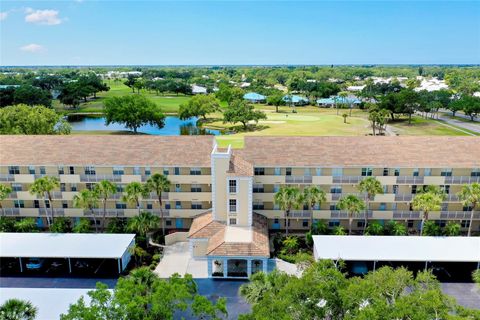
[88, 201]
[426, 202]
[104, 189]
[15, 309]
[133, 193]
[4, 192]
[470, 197]
[143, 223]
[312, 196]
[371, 187]
[26, 225]
[43, 187]
[288, 198]
[353, 205]
[158, 183]
[260, 283]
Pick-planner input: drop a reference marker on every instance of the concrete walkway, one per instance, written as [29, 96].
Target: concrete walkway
[467, 294]
[177, 259]
[472, 126]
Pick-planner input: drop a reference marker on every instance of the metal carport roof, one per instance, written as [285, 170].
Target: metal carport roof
[64, 245]
[397, 248]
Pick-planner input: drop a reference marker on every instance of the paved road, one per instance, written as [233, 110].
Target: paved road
[474, 126]
[460, 115]
[467, 294]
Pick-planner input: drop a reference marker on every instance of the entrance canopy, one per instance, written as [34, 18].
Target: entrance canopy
[65, 245]
[397, 248]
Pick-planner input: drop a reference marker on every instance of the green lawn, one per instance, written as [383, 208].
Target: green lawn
[169, 104]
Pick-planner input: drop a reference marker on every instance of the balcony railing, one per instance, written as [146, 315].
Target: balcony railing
[409, 180]
[7, 177]
[300, 214]
[462, 180]
[461, 215]
[11, 211]
[57, 212]
[298, 179]
[406, 214]
[100, 177]
[347, 179]
[410, 196]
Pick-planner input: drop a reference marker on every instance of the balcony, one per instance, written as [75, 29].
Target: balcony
[300, 214]
[409, 180]
[100, 177]
[57, 212]
[7, 177]
[461, 180]
[460, 215]
[409, 197]
[11, 212]
[298, 179]
[406, 214]
[348, 179]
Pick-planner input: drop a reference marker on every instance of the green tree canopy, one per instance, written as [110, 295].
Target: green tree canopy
[133, 111]
[16, 309]
[22, 119]
[243, 112]
[31, 96]
[199, 106]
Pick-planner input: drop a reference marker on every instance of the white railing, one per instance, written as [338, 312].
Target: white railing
[462, 180]
[100, 177]
[406, 214]
[460, 215]
[7, 177]
[347, 179]
[298, 179]
[409, 180]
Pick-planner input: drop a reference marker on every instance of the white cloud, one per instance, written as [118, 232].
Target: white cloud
[49, 17]
[33, 48]
[3, 15]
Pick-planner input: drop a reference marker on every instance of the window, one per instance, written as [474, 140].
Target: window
[167, 205]
[196, 188]
[441, 223]
[178, 188]
[465, 223]
[360, 224]
[73, 187]
[90, 186]
[366, 172]
[36, 204]
[446, 172]
[232, 221]
[16, 187]
[467, 208]
[307, 172]
[277, 171]
[165, 171]
[395, 188]
[396, 172]
[318, 171]
[427, 172]
[63, 188]
[476, 172]
[276, 206]
[119, 187]
[118, 171]
[71, 170]
[31, 169]
[19, 204]
[414, 189]
[276, 221]
[65, 204]
[336, 189]
[276, 188]
[148, 171]
[42, 170]
[337, 172]
[385, 172]
[383, 206]
[410, 224]
[258, 188]
[232, 186]
[333, 223]
[232, 205]
[259, 171]
[168, 222]
[394, 206]
[47, 203]
[288, 171]
[90, 170]
[178, 205]
[14, 170]
[176, 171]
[333, 207]
[445, 189]
[305, 223]
[195, 171]
[258, 205]
[136, 171]
[61, 170]
[149, 206]
[196, 205]
[415, 172]
[120, 205]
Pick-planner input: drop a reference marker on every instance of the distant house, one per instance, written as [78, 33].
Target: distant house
[198, 89]
[254, 97]
[330, 102]
[245, 84]
[295, 100]
[355, 88]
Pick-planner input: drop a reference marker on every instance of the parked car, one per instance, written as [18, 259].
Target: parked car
[35, 263]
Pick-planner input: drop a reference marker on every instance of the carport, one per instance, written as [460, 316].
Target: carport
[109, 249]
[453, 258]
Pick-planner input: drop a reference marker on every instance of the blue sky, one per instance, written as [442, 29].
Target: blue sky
[84, 32]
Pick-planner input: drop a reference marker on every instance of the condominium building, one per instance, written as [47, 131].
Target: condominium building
[226, 196]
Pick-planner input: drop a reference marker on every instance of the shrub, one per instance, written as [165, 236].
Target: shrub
[452, 229]
[374, 229]
[430, 228]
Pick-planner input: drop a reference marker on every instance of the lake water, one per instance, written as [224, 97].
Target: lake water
[173, 126]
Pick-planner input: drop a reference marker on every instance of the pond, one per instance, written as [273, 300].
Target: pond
[173, 126]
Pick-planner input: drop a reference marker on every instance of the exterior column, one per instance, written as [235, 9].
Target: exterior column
[210, 261]
[21, 266]
[374, 265]
[225, 267]
[265, 265]
[249, 267]
[426, 265]
[69, 266]
[119, 267]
